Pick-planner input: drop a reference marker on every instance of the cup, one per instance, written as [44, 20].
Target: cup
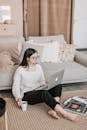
[24, 106]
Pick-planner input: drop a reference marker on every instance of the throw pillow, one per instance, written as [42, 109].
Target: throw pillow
[50, 50]
[68, 53]
[29, 44]
[12, 49]
[5, 61]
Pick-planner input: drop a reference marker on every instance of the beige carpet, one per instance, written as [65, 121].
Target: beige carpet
[36, 118]
[2, 125]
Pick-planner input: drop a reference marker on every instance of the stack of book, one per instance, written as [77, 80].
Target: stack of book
[76, 105]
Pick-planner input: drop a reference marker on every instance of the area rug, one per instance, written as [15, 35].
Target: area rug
[36, 118]
[2, 123]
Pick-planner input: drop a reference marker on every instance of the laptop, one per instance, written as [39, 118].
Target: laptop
[53, 80]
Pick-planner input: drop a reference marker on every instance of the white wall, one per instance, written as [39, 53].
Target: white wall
[80, 24]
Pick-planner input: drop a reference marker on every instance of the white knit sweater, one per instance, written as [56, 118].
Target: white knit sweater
[26, 80]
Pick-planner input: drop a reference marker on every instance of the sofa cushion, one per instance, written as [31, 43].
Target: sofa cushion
[63, 53]
[73, 72]
[50, 50]
[27, 45]
[68, 52]
[13, 45]
[51, 68]
[11, 48]
[5, 61]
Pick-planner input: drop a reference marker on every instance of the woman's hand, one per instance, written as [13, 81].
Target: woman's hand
[19, 102]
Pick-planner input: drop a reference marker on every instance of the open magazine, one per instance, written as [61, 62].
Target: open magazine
[77, 105]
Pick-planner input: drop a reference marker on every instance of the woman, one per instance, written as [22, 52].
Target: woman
[28, 77]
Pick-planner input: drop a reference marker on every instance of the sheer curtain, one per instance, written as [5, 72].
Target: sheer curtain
[48, 17]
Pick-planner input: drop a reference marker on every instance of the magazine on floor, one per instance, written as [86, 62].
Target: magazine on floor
[76, 105]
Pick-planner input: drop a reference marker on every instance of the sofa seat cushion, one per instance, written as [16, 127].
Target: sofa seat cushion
[73, 72]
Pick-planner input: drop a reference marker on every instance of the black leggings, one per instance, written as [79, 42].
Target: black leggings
[46, 96]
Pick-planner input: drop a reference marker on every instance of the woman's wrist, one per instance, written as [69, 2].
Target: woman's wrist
[19, 99]
[19, 102]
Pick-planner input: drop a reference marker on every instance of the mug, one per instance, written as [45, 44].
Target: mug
[24, 105]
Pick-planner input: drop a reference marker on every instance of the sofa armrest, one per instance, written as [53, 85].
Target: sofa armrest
[81, 58]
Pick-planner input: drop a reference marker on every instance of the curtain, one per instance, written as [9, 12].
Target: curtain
[31, 18]
[47, 17]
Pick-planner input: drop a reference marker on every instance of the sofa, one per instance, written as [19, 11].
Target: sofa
[75, 70]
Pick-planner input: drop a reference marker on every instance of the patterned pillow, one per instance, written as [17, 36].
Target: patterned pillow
[12, 49]
[68, 52]
[5, 61]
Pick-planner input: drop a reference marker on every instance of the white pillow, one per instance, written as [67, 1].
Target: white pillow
[50, 51]
[27, 45]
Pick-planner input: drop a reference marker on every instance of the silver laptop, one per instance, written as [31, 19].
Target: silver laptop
[53, 80]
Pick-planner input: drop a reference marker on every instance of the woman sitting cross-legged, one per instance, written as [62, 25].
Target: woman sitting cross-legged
[28, 77]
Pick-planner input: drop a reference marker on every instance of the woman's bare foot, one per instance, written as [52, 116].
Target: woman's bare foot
[65, 114]
[71, 116]
[53, 114]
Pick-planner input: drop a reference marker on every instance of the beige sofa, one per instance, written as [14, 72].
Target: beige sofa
[74, 72]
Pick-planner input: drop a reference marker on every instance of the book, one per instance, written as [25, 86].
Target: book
[85, 99]
[76, 105]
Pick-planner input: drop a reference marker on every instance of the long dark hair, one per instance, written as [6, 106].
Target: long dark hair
[27, 54]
